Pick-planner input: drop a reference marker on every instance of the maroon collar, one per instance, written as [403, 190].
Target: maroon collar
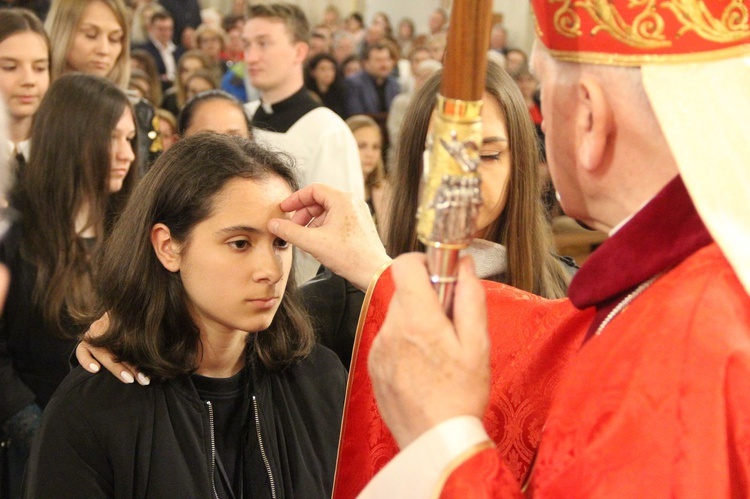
[661, 235]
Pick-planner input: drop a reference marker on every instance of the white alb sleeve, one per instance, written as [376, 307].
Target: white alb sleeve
[420, 468]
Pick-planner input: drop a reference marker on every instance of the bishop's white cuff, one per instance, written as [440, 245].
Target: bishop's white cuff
[419, 470]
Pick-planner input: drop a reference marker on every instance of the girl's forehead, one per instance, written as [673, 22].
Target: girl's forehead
[248, 194]
[245, 202]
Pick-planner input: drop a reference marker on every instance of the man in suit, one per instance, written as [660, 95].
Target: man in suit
[372, 90]
[186, 15]
[160, 46]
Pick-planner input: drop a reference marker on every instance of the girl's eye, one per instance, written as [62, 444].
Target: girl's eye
[489, 156]
[240, 244]
[282, 244]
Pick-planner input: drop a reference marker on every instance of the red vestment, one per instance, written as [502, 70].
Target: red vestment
[535, 339]
[658, 404]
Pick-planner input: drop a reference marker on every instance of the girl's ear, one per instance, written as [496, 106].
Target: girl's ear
[167, 250]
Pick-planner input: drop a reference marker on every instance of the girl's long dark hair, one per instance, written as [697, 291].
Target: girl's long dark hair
[150, 324]
[521, 227]
[67, 175]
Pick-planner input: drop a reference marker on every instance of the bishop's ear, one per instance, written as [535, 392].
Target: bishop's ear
[594, 121]
[167, 249]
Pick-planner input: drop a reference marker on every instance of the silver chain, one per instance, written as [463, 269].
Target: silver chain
[625, 302]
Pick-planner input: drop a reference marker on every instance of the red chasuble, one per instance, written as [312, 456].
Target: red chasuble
[534, 338]
[658, 404]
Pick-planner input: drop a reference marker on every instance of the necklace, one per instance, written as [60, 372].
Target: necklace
[625, 302]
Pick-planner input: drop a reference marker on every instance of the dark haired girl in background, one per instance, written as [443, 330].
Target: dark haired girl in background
[76, 179]
[24, 74]
[324, 79]
[213, 111]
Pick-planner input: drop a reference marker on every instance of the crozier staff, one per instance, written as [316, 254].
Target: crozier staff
[450, 186]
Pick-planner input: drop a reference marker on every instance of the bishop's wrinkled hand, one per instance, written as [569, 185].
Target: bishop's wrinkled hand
[425, 368]
[336, 228]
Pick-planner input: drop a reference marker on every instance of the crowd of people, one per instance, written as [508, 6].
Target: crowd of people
[217, 202]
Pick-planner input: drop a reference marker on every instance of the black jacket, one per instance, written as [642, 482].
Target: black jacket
[185, 13]
[33, 362]
[333, 305]
[152, 49]
[102, 438]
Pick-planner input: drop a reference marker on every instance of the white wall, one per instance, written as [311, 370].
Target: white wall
[517, 19]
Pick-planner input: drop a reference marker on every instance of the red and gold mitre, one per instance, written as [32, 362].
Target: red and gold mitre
[637, 32]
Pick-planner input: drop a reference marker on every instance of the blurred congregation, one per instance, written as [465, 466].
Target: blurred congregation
[165, 53]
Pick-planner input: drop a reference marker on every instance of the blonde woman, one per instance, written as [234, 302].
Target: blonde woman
[212, 40]
[93, 37]
[90, 36]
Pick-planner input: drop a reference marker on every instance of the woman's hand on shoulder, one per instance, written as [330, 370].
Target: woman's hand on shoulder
[93, 358]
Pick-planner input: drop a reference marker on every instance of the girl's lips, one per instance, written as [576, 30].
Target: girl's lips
[264, 302]
[120, 172]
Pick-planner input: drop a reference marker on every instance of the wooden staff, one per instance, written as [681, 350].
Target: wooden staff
[450, 195]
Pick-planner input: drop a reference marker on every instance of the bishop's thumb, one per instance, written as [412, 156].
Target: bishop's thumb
[469, 308]
[288, 231]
